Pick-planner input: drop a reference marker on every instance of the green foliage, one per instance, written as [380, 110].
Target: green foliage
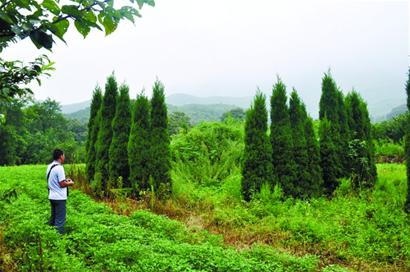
[15, 75]
[361, 156]
[139, 155]
[236, 114]
[328, 157]
[31, 130]
[43, 22]
[407, 144]
[160, 152]
[330, 108]
[99, 240]
[93, 128]
[104, 137]
[284, 167]
[209, 155]
[314, 165]
[257, 158]
[305, 151]
[118, 152]
[178, 122]
[8, 144]
[342, 142]
[388, 151]
[298, 118]
[393, 129]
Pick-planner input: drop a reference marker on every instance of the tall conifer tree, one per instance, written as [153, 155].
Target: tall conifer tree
[297, 121]
[328, 157]
[105, 132]
[160, 141]
[257, 164]
[118, 153]
[329, 108]
[361, 158]
[342, 144]
[284, 167]
[93, 127]
[407, 145]
[315, 170]
[139, 145]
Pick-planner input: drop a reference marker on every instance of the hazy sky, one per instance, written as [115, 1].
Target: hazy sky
[229, 47]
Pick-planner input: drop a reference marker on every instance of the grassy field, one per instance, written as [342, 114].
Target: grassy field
[100, 240]
[217, 230]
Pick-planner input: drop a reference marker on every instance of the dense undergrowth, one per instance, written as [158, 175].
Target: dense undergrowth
[99, 240]
[366, 231]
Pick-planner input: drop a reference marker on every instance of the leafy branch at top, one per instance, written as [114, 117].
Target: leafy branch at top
[42, 22]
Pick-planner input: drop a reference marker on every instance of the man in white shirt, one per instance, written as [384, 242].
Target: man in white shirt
[57, 190]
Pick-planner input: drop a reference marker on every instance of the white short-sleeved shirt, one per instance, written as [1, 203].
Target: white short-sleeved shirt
[56, 175]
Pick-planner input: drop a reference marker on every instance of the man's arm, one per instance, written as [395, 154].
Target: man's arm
[66, 183]
[61, 176]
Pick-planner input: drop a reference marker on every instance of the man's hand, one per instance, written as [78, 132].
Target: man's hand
[70, 182]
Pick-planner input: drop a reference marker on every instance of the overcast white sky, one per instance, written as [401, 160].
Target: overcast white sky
[229, 47]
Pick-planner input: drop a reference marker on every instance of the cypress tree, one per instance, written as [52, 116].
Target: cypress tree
[330, 108]
[328, 105]
[315, 171]
[328, 157]
[361, 153]
[139, 145]
[93, 127]
[297, 121]
[281, 141]
[257, 163]
[344, 135]
[118, 153]
[160, 150]
[407, 145]
[105, 132]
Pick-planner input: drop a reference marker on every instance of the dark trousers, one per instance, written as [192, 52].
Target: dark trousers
[58, 212]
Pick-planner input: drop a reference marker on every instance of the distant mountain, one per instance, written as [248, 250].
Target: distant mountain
[200, 113]
[177, 100]
[81, 115]
[197, 112]
[185, 99]
[67, 109]
[214, 105]
[393, 113]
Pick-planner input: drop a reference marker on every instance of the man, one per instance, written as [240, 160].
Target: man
[57, 190]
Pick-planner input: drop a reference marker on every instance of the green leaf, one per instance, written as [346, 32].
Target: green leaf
[6, 18]
[52, 6]
[90, 17]
[109, 25]
[82, 27]
[60, 28]
[129, 13]
[41, 39]
[23, 3]
[72, 10]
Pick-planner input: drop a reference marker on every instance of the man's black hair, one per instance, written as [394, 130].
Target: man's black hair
[57, 154]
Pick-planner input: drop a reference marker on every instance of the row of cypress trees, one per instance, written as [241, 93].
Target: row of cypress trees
[128, 142]
[291, 156]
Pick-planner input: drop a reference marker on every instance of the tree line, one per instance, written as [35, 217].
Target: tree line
[30, 129]
[128, 142]
[291, 155]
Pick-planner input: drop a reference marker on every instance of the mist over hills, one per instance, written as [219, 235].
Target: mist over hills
[211, 108]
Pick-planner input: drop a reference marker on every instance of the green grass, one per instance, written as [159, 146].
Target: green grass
[365, 231]
[99, 240]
